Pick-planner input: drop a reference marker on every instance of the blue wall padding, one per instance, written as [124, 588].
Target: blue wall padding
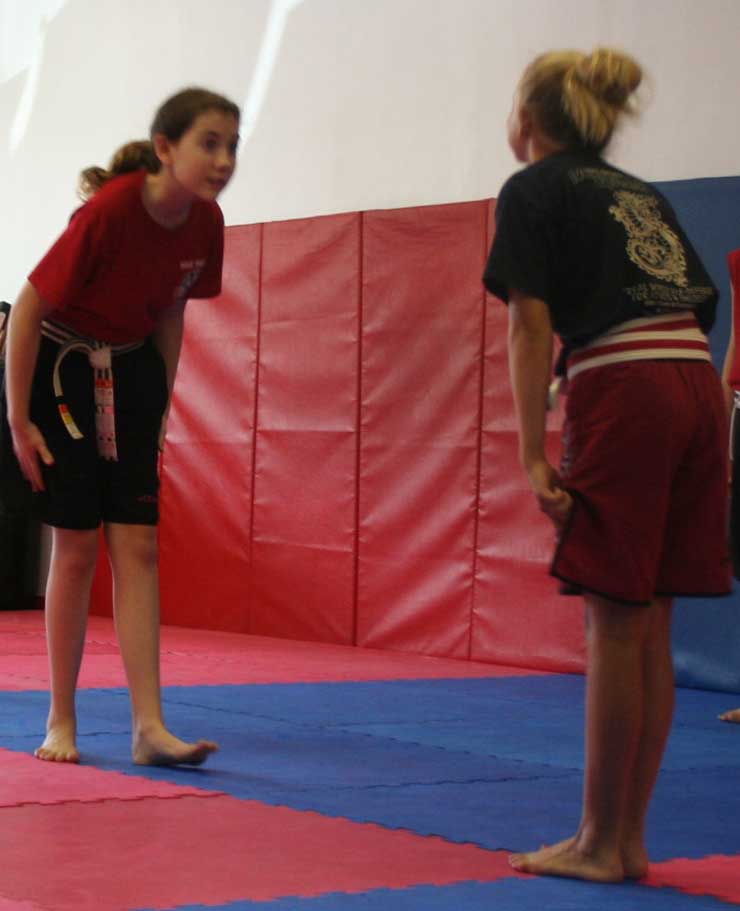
[706, 637]
[506, 895]
[462, 759]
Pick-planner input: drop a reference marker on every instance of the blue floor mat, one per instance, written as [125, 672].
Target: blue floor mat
[504, 895]
[496, 762]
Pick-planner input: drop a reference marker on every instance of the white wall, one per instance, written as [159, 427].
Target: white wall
[349, 103]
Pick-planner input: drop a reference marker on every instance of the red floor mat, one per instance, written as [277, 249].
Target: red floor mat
[26, 780]
[163, 853]
[718, 876]
[192, 657]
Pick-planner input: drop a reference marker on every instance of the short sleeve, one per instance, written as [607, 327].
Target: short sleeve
[209, 280]
[519, 253]
[70, 263]
[733, 264]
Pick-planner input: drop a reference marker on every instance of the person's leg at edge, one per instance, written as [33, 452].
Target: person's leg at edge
[733, 715]
[659, 701]
[134, 561]
[73, 559]
[616, 634]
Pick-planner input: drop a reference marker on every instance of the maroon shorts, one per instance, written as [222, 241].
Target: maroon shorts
[645, 459]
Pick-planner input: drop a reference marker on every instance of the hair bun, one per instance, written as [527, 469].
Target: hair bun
[609, 74]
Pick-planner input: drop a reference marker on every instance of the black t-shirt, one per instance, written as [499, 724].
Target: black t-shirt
[597, 245]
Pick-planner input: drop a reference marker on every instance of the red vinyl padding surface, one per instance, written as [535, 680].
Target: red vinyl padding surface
[421, 362]
[341, 463]
[304, 503]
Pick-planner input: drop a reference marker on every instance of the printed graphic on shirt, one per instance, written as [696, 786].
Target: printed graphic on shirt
[191, 269]
[651, 245]
[609, 180]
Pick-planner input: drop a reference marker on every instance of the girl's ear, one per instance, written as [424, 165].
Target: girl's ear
[519, 130]
[161, 147]
[526, 124]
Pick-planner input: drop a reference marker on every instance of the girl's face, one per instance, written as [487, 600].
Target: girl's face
[203, 160]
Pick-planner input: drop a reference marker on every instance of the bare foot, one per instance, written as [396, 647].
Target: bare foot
[159, 747]
[59, 744]
[634, 859]
[566, 859]
[733, 715]
[545, 852]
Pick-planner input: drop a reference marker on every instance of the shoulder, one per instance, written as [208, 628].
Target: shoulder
[733, 262]
[119, 190]
[208, 217]
[208, 212]
[119, 198]
[538, 186]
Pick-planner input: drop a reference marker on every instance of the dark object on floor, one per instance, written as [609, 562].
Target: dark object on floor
[19, 531]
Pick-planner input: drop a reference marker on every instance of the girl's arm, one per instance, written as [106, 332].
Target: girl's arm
[167, 338]
[729, 359]
[24, 335]
[530, 367]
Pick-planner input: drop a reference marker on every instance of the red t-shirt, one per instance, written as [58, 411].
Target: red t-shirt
[733, 262]
[114, 270]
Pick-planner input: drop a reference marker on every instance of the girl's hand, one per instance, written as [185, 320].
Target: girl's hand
[29, 446]
[163, 431]
[547, 487]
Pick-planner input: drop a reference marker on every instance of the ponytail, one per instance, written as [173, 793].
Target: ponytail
[133, 156]
[577, 99]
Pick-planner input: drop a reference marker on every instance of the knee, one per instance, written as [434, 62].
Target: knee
[659, 631]
[621, 625]
[74, 552]
[134, 547]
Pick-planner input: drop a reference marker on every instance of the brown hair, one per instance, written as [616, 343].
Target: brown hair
[173, 119]
[577, 99]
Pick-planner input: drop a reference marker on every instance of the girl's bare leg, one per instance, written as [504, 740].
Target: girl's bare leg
[659, 701]
[614, 718]
[73, 558]
[133, 554]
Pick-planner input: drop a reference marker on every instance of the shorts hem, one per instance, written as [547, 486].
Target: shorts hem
[68, 526]
[152, 522]
[572, 588]
[702, 594]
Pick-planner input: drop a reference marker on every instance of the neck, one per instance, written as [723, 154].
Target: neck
[165, 201]
[540, 146]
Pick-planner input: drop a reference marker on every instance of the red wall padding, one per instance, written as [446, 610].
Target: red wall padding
[341, 462]
[303, 538]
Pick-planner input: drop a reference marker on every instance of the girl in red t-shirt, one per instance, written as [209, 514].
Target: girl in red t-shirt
[93, 344]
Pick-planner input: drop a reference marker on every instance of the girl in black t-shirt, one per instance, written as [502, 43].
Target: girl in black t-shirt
[597, 256]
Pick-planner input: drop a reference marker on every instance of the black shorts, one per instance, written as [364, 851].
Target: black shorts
[82, 489]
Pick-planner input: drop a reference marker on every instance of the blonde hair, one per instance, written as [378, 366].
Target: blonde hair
[577, 99]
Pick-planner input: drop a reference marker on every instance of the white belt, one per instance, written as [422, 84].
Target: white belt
[100, 356]
[670, 336]
[733, 418]
[674, 336]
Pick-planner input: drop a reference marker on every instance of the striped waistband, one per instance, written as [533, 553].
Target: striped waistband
[666, 337]
[64, 336]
